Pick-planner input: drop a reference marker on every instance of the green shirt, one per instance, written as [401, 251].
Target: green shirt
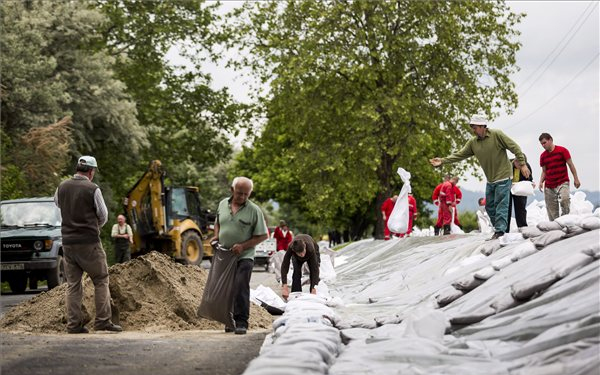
[246, 223]
[491, 153]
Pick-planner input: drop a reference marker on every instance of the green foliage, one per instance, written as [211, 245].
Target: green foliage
[358, 89]
[468, 221]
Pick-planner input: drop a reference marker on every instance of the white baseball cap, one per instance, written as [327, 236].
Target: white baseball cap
[478, 119]
[88, 160]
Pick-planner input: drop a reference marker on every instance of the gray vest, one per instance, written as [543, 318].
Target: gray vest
[79, 220]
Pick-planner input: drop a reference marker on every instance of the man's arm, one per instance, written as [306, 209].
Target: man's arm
[129, 233]
[461, 154]
[574, 172]
[114, 233]
[285, 267]
[513, 147]
[101, 211]
[253, 241]
[542, 178]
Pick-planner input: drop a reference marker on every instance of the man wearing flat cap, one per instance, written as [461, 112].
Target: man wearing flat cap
[83, 213]
[489, 147]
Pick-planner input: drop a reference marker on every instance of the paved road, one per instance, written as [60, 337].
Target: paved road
[131, 353]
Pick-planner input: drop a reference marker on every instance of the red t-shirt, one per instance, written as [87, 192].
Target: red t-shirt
[556, 166]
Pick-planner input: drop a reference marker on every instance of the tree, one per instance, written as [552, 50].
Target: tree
[359, 88]
[50, 71]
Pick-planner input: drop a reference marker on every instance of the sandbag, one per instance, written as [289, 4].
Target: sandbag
[567, 220]
[489, 247]
[467, 283]
[546, 226]
[448, 295]
[398, 221]
[501, 263]
[590, 223]
[529, 232]
[474, 317]
[524, 290]
[455, 229]
[592, 250]
[523, 250]
[504, 302]
[573, 230]
[572, 263]
[522, 188]
[510, 238]
[485, 273]
[548, 238]
[217, 300]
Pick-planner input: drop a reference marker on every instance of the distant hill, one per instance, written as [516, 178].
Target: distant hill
[470, 198]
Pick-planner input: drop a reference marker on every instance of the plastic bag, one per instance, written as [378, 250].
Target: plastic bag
[398, 221]
[522, 188]
[455, 229]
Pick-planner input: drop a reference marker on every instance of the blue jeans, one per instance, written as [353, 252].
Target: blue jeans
[241, 300]
[497, 196]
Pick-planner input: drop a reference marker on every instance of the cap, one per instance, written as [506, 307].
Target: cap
[88, 160]
[478, 119]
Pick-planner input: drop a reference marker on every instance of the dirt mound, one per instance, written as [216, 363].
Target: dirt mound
[150, 293]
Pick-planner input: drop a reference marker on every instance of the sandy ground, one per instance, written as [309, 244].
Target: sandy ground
[35, 343]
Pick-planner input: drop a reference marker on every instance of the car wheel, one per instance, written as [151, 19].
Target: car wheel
[18, 283]
[192, 250]
[56, 276]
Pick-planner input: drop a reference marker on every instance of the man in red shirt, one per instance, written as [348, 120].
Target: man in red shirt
[555, 179]
[283, 236]
[447, 204]
[386, 210]
[436, 200]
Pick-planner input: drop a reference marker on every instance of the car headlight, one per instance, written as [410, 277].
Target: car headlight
[38, 245]
[48, 244]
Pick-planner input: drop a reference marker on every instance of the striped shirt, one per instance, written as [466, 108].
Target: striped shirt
[556, 166]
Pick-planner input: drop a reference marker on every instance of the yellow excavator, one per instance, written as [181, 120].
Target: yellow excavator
[170, 220]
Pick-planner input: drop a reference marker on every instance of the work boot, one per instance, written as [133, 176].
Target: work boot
[497, 235]
[436, 231]
[446, 229]
[240, 330]
[80, 329]
[110, 328]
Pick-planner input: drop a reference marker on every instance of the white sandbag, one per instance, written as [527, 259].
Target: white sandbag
[455, 229]
[467, 283]
[592, 250]
[484, 222]
[510, 238]
[267, 295]
[447, 295]
[489, 247]
[398, 221]
[485, 273]
[523, 250]
[529, 232]
[522, 188]
[501, 263]
[504, 302]
[426, 323]
[546, 226]
[590, 223]
[572, 263]
[326, 270]
[567, 220]
[473, 317]
[573, 230]
[524, 290]
[548, 238]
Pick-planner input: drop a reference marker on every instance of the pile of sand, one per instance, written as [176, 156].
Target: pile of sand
[150, 293]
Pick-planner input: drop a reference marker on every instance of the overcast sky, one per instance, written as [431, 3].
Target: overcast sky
[558, 85]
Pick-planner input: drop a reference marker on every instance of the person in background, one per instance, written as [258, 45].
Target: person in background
[489, 146]
[283, 236]
[123, 236]
[554, 181]
[240, 226]
[447, 204]
[435, 197]
[457, 199]
[519, 202]
[303, 248]
[386, 210]
[83, 213]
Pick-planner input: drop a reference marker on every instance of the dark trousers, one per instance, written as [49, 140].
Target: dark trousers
[122, 251]
[297, 275]
[241, 301]
[520, 204]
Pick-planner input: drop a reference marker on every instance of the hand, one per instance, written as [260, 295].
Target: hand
[436, 162]
[541, 187]
[577, 183]
[525, 171]
[533, 183]
[313, 291]
[237, 249]
[285, 292]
